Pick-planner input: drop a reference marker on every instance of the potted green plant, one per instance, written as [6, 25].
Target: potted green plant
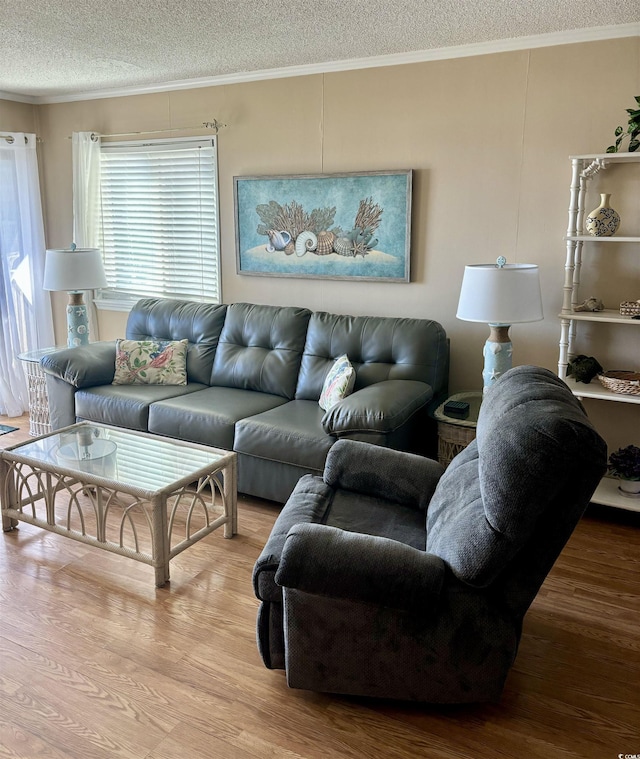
[624, 464]
[633, 130]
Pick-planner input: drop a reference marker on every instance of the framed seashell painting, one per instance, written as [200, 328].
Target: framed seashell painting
[329, 226]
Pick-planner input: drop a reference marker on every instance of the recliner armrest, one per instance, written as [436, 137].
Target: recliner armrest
[308, 503]
[398, 476]
[84, 366]
[334, 563]
[382, 407]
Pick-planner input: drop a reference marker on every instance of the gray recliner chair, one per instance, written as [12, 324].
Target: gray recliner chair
[389, 576]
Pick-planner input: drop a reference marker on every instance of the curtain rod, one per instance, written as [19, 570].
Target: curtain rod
[11, 139]
[215, 125]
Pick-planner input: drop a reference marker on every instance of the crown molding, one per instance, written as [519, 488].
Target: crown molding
[16, 97]
[573, 36]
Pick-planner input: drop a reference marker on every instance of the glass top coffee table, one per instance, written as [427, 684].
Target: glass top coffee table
[135, 494]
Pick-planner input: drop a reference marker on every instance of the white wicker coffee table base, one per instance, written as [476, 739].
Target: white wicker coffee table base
[149, 526]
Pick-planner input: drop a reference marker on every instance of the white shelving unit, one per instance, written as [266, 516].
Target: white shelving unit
[583, 168]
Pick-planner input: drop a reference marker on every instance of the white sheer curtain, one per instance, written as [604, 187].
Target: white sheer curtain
[85, 149]
[25, 308]
[85, 152]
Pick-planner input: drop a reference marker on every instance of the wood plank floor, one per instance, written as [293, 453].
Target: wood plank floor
[95, 662]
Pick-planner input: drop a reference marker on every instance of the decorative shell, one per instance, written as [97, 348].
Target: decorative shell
[290, 248]
[590, 304]
[277, 240]
[325, 243]
[305, 241]
[343, 246]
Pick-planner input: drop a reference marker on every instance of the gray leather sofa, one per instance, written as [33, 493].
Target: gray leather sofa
[254, 377]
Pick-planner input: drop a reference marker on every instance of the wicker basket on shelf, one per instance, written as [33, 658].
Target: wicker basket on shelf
[625, 382]
[630, 308]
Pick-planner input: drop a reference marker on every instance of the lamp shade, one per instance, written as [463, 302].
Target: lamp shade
[507, 294]
[74, 270]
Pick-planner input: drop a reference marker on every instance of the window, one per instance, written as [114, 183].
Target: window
[159, 220]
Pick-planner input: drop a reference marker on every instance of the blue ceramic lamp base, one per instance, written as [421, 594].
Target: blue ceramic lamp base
[497, 354]
[77, 321]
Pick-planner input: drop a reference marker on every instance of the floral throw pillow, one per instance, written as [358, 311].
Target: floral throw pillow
[151, 362]
[338, 384]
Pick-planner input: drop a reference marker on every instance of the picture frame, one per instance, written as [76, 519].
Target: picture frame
[346, 226]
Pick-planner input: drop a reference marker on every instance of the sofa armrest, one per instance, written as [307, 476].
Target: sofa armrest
[379, 408]
[397, 476]
[84, 366]
[326, 561]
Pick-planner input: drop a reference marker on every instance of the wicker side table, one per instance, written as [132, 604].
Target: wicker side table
[454, 435]
[39, 422]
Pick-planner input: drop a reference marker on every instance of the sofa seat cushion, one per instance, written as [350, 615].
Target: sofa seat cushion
[291, 433]
[126, 405]
[209, 416]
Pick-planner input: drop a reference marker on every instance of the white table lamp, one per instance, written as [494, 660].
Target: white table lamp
[74, 271]
[499, 295]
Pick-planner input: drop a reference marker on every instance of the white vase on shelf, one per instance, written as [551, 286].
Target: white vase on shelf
[603, 221]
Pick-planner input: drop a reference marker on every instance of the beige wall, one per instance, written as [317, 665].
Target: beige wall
[17, 117]
[488, 139]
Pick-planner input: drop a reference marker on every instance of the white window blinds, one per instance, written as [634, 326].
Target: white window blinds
[159, 225]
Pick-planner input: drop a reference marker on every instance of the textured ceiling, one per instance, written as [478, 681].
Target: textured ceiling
[52, 48]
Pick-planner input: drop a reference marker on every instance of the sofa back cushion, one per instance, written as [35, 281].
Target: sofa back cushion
[260, 348]
[167, 319]
[380, 348]
[521, 486]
